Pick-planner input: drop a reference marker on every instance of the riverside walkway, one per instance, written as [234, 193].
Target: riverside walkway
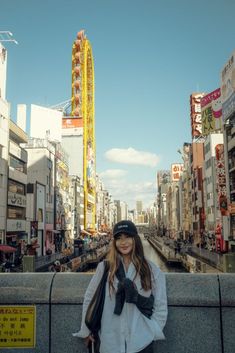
[200, 320]
[194, 259]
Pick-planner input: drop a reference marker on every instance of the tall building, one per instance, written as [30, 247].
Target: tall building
[211, 195]
[163, 180]
[185, 193]
[139, 206]
[78, 130]
[17, 227]
[198, 214]
[228, 122]
[41, 193]
[4, 133]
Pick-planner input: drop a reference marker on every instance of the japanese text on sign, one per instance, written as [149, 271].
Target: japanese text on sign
[176, 171]
[17, 326]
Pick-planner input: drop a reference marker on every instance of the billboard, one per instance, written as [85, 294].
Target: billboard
[211, 110]
[228, 88]
[68, 123]
[196, 117]
[221, 179]
[176, 171]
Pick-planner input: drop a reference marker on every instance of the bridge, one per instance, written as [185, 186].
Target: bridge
[201, 311]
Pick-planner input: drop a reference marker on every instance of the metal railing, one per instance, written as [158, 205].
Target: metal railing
[42, 261]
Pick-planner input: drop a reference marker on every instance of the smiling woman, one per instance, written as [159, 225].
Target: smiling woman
[135, 297]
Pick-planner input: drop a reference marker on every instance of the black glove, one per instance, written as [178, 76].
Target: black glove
[131, 293]
[145, 305]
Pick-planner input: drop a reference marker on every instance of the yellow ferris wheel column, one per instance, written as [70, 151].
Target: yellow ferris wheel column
[83, 98]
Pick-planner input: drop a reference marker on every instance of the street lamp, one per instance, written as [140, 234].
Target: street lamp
[7, 36]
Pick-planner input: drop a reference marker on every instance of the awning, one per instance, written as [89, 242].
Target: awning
[7, 248]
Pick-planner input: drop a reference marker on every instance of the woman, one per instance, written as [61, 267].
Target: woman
[135, 307]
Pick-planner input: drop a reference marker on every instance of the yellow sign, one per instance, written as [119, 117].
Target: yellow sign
[17, 326]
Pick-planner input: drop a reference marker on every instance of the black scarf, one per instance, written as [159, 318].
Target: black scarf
[144, 304]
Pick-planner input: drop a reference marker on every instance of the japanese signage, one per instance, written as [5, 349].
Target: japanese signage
[228, 87]
[16, 225]
[17, 326]
[211, 108]
[68, 123]
[196, 117]
[16, 199]
[221, 179]
[176, 171]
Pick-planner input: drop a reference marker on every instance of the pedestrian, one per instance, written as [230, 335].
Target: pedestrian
[57, 266]
[135, 306]
[7, 265]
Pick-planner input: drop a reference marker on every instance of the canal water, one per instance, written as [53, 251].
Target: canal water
[152, 255]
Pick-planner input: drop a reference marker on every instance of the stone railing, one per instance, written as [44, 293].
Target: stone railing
[201, 311]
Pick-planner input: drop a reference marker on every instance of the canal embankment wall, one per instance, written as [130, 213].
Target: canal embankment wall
[201, 315]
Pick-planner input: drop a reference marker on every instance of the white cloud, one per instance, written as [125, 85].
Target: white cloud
[113, 173]
[132, 156]
[123, 190]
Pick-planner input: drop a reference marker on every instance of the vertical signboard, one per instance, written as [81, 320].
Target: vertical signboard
[211, 109]
[221, 179]
[176, 171]
[196, 117]
[228, 87]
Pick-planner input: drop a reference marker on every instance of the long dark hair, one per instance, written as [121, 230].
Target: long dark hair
[137, 257]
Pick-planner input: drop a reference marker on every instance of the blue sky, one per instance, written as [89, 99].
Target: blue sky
[149, 57]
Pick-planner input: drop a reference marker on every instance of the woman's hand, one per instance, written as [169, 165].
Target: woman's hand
[89, 339]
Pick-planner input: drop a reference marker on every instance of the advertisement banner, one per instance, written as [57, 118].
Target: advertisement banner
[68, 123]
[196, 117]
[211, 109]
[228, 87]
[176, 171]
[221, 179]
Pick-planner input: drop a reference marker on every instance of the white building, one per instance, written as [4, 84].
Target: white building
[124, 210]
[45, 122]
[40, 193]
[72, 142]
[17, 227]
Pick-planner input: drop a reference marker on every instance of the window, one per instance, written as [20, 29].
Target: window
[1, 180]
[18, 164]
[15, 212]
[15, 187]
[49, 163]
[49, 217]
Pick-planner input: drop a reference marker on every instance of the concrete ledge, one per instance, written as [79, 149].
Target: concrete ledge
[201, 310]
[193, 290]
